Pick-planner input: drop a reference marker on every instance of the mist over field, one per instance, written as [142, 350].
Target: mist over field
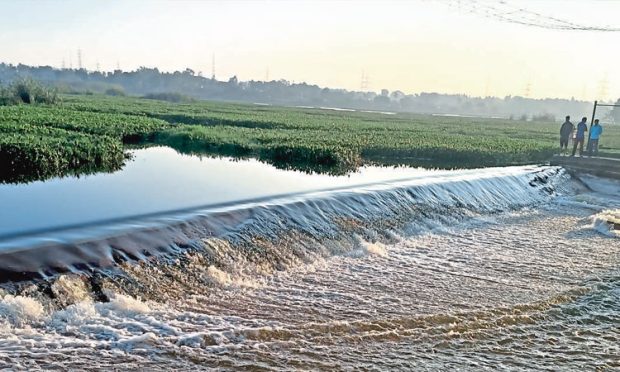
[185, 84]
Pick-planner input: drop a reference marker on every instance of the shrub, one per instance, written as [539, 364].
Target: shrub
[116, 92]
[28, 91]
[170, 97]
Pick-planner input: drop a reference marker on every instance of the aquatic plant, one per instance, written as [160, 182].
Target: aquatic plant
[312, 140]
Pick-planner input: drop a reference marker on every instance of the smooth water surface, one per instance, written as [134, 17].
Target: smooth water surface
[159, 179]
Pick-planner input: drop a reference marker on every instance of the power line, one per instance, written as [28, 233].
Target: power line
[506, 12]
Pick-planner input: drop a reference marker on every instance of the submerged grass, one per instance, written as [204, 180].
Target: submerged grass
[91, 131]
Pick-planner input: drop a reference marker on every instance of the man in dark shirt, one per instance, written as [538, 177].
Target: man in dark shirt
[580, 136]
[565, 131]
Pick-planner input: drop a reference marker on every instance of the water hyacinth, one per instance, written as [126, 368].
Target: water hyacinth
[88, 133]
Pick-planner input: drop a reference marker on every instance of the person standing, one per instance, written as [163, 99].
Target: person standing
[565, 131]
[580, 136]
[595, 135]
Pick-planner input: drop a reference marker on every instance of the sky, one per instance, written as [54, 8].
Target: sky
[412, 46]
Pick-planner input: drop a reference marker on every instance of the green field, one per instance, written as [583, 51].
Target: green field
[83, 134]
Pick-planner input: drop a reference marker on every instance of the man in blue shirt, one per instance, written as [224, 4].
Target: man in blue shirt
[595, 135]
[580, 136]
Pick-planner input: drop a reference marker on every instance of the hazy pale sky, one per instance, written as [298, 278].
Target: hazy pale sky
[412, 46]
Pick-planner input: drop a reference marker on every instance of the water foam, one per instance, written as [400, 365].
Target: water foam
[370, 290]
[262, 237]
[607, 222]
[20, 310]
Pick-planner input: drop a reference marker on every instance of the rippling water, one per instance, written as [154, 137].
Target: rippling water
[534, 284]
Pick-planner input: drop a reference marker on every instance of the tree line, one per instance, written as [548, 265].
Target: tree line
[179, 84]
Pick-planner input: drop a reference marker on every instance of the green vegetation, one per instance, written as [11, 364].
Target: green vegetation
[84, 133]
[31, 152]
[119, 92]
[27, 91]
[170, 97]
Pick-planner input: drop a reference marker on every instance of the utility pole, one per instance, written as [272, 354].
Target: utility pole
[267, 75]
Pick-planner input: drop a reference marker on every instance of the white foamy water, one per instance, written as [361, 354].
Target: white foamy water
[461, 281]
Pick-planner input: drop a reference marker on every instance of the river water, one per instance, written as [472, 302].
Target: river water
[509, 268]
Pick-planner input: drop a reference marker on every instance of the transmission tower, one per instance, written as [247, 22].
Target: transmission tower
[603, 88]
[528, 90]
[365, 84]
[267, 75]
[584, 92]
[213, 66]
[79, 57]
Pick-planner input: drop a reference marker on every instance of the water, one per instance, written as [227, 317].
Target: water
[159, 179]
[499, 269]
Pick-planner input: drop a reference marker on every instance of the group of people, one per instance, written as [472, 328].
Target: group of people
[578, 135]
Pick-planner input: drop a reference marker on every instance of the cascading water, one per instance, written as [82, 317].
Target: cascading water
[258, 227]
[462, 269]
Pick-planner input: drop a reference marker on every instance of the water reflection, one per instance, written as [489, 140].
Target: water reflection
[160, 179]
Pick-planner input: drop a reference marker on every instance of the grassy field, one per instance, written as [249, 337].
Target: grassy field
[88, 133]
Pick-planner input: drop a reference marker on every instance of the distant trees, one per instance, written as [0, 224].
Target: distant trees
[544, 117]
[152, 81]
[382, 102]
[115, 92]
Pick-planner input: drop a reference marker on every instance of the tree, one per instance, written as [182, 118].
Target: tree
[397, 95]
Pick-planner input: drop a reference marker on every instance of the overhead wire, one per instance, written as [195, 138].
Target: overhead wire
[506, 12]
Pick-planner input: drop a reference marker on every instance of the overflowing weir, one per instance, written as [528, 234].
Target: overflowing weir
[280, 229]
[473, 269]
